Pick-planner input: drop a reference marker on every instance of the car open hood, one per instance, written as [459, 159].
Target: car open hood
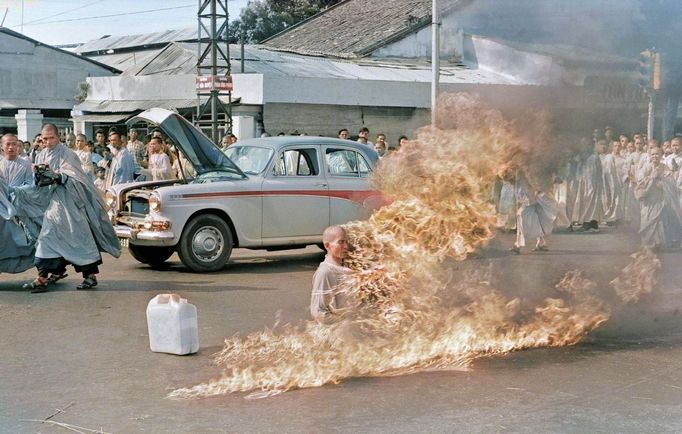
[204, 155]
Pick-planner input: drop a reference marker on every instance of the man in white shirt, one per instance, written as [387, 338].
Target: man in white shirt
[674, 159]
[363, 137]
[159, 163]
[122, 168]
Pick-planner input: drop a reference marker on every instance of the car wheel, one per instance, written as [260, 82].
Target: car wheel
[151, 255]
[206, 244]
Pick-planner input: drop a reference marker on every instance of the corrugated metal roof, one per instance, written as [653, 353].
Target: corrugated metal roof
[173, 59]
[101, 118]
[140, 40]
[125, 106]
[35, 42]
[180, 58]
[129, 106]
[127, 60]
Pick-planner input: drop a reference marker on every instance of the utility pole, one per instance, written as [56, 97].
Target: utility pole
[650, 117]
[650, 79]
[212, 29]
[435, 61]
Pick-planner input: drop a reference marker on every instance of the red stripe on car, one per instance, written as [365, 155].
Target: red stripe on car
[352, 195]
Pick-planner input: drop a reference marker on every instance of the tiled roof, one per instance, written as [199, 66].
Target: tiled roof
[355, 28]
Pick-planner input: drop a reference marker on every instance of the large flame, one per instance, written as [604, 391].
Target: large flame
[409, 313]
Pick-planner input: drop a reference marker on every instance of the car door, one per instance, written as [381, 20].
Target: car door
[351, 197]
[295, 196]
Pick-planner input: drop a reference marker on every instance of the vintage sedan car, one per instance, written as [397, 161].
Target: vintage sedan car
[272, 193]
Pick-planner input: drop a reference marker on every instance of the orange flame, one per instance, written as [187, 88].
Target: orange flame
[409, 314]
[638, 277]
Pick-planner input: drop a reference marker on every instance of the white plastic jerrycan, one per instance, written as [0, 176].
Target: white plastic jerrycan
[172, 324]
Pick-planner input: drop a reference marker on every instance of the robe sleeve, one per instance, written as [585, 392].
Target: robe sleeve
[647, 181]
[162, 168]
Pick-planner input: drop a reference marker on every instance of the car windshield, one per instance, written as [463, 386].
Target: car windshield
[202, 154]
[250, 159]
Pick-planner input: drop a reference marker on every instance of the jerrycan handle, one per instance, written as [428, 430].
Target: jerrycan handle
[168, 299]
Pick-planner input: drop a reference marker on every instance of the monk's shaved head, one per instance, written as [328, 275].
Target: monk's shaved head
[332, 233]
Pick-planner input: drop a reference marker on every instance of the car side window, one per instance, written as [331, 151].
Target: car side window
[345, 162]
[296, 162]
[363, 167]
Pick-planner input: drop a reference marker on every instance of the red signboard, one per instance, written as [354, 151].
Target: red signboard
[214, 82]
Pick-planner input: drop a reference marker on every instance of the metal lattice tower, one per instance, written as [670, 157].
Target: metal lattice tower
[213, 69]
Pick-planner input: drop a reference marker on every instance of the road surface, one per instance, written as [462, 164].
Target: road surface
[88, 350]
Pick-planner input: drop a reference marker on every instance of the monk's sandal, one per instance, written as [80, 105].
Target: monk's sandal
[54, 278]
[88, 283]
[37, 286]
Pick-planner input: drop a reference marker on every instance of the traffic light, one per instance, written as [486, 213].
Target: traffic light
[650, 70]
[645, 70]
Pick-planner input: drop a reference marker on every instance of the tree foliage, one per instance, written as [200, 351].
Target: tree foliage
[261, 19]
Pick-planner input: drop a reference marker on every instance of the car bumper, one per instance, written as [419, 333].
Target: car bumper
[143, 236]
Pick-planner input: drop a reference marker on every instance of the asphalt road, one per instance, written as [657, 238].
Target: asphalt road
[88, 351]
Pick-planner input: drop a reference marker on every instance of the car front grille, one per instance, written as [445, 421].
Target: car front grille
[136, 206]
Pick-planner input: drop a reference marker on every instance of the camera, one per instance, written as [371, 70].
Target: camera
[44, 176]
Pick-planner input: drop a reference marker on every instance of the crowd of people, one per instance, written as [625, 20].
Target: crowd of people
[114, 158]
[629, 181]
[51, 189]
[380, 144]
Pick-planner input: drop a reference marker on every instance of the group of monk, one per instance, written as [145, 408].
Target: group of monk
[629, 181]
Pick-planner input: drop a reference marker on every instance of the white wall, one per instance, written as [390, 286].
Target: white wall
[418, 44]
[248, 87]
[569, 22]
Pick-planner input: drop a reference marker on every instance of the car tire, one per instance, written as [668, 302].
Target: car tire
[151, 255]
[205, 244]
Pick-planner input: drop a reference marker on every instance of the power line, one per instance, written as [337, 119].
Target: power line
[108, 16]
[62, 13]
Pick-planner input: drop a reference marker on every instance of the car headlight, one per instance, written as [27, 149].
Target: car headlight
[154, 202]
[110, 198]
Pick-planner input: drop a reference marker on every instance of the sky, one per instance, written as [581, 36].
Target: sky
[58, 22]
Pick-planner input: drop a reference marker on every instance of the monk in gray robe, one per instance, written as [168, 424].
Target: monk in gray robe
[632, 207]
[75, 227]
[588, 208]
[661, 217]
[15, 170]
[612, 192]
[535, 215]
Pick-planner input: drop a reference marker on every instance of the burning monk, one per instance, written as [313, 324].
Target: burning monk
[326, 298]
[535, 215]
[75, 227]
[660, 213]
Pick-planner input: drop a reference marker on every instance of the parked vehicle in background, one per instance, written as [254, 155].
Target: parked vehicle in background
[271, 193]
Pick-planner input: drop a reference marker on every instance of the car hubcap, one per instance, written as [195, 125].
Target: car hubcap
[207, 244]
